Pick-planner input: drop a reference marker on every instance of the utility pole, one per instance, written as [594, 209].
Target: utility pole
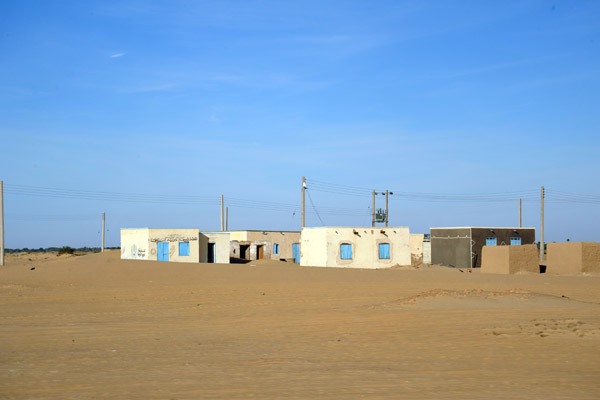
[103, 226]
[226, 218]
[222, 216]
[303, 201]
[373, 209]
[542, 246]
[386, 208]
[1, 223]
[519, 212]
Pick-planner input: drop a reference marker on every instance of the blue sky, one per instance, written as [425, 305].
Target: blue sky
[243, 98]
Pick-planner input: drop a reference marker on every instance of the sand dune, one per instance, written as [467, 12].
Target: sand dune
[96, 326]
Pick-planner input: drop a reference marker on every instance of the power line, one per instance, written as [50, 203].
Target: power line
[529, 195]
[315, 208]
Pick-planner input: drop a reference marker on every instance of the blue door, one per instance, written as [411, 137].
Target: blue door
[491, 241]
[515, 241]
[296, 252]
[163, 251]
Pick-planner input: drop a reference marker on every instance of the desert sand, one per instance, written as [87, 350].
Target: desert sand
[95, 326]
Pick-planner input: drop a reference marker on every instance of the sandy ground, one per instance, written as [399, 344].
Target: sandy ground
[95, 327]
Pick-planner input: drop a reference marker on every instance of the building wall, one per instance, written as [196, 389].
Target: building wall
[502, 236]
[134, 244]
[590, 257]
[416, 248]
[451, 247]
[142, 244]
[573, 257]
[313, 247]
[321, 247]
[174, 237]
[510, 259]
[427, 252]
[253, 239]
[222, 249]
[462, 247]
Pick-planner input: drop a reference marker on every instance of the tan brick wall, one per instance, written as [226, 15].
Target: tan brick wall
[573, 258]
[510, 259]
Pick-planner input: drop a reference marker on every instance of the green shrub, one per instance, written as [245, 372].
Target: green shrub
[66, 250]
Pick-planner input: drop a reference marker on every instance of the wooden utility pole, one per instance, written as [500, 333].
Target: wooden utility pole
[520, 212]
[303, 201]
[542, 246]
[1, 223]
[103, 226]
[373, 210]
[226, 218]
[222, 216]
[386, 207]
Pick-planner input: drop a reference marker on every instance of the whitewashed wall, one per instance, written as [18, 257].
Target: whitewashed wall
[321, 247]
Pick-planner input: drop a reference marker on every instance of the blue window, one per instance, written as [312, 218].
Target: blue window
[491, 241]
[346, 251]
[275, 248]
[184, 248]
[515, 241]
[384, 251]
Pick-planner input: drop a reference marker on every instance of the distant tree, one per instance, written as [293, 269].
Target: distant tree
[66, 250]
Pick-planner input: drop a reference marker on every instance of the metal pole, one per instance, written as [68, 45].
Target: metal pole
[222, 216]
[303, 201]
[373, 220]
[542, 246]
[103, 228]
[386, 208]
[227, 218]
[1, 223]
[520, 225]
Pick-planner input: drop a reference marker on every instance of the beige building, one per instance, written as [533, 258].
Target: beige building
[355, 247]
[270, 245]
[175, 245]
[510, 259]
[573, 258]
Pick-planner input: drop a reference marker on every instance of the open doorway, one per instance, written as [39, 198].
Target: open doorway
[211, 253]
[245, 251]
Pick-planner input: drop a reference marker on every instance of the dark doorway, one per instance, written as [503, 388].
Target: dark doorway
[211, 253]
[245, 251]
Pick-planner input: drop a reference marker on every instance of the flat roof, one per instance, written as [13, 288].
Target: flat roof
[159, 228]
[259, 230]
[354, 227]
[481, 227]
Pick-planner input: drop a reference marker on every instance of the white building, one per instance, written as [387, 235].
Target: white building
[175, 245]
[355, 247]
